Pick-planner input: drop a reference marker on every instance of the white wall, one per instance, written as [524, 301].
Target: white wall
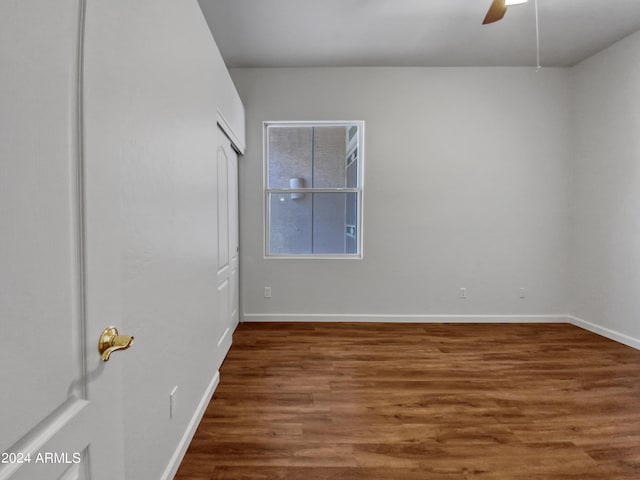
[606, 191]
[466, 185]
[154, 81]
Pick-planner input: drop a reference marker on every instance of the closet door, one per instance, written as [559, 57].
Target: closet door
[228, 250]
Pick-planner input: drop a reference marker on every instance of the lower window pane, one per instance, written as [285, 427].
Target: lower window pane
[313, 223]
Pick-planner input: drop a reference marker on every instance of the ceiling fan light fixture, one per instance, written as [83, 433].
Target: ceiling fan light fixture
[509, 3]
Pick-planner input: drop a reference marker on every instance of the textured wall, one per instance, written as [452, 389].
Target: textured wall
[466, 185]
[606, 190]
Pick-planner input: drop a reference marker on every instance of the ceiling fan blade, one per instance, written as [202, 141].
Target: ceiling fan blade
[496, 12]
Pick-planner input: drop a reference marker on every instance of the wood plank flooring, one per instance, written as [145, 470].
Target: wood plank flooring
[415, 401]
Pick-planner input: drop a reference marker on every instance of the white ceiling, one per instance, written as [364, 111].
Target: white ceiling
[295, 33]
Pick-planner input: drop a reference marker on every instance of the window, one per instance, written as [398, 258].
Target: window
[313, 189]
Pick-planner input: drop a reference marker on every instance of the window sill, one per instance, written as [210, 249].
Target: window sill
[314, 257]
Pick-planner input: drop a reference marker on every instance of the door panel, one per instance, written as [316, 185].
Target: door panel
[38, 293]
[39, 207]
[224, 334]
[56, 392]
[223, 210]
[234, 296]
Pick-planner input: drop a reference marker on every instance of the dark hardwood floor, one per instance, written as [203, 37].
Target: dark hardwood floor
[421, 401]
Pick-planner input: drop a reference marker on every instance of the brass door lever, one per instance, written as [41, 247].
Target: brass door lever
[110, 341]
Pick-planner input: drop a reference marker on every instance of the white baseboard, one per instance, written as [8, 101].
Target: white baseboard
[605, 332]
[181, 449]
[290, 317]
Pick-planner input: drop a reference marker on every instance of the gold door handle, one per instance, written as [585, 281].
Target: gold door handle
[110, 341]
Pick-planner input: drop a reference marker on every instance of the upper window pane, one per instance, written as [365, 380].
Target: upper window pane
[290, 155]
[312, 156]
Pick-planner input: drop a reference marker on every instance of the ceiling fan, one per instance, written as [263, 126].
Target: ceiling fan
[498, 8]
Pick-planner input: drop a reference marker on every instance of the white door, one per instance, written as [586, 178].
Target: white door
[60, 414]
[228, 249]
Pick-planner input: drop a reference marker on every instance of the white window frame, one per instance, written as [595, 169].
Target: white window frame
[359, 191]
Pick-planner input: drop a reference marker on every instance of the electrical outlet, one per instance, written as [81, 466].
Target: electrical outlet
[463, 293]
[267, 292]
[172, 402]
[523, 293]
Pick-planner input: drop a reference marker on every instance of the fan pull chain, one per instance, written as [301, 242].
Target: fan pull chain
[538, 66]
